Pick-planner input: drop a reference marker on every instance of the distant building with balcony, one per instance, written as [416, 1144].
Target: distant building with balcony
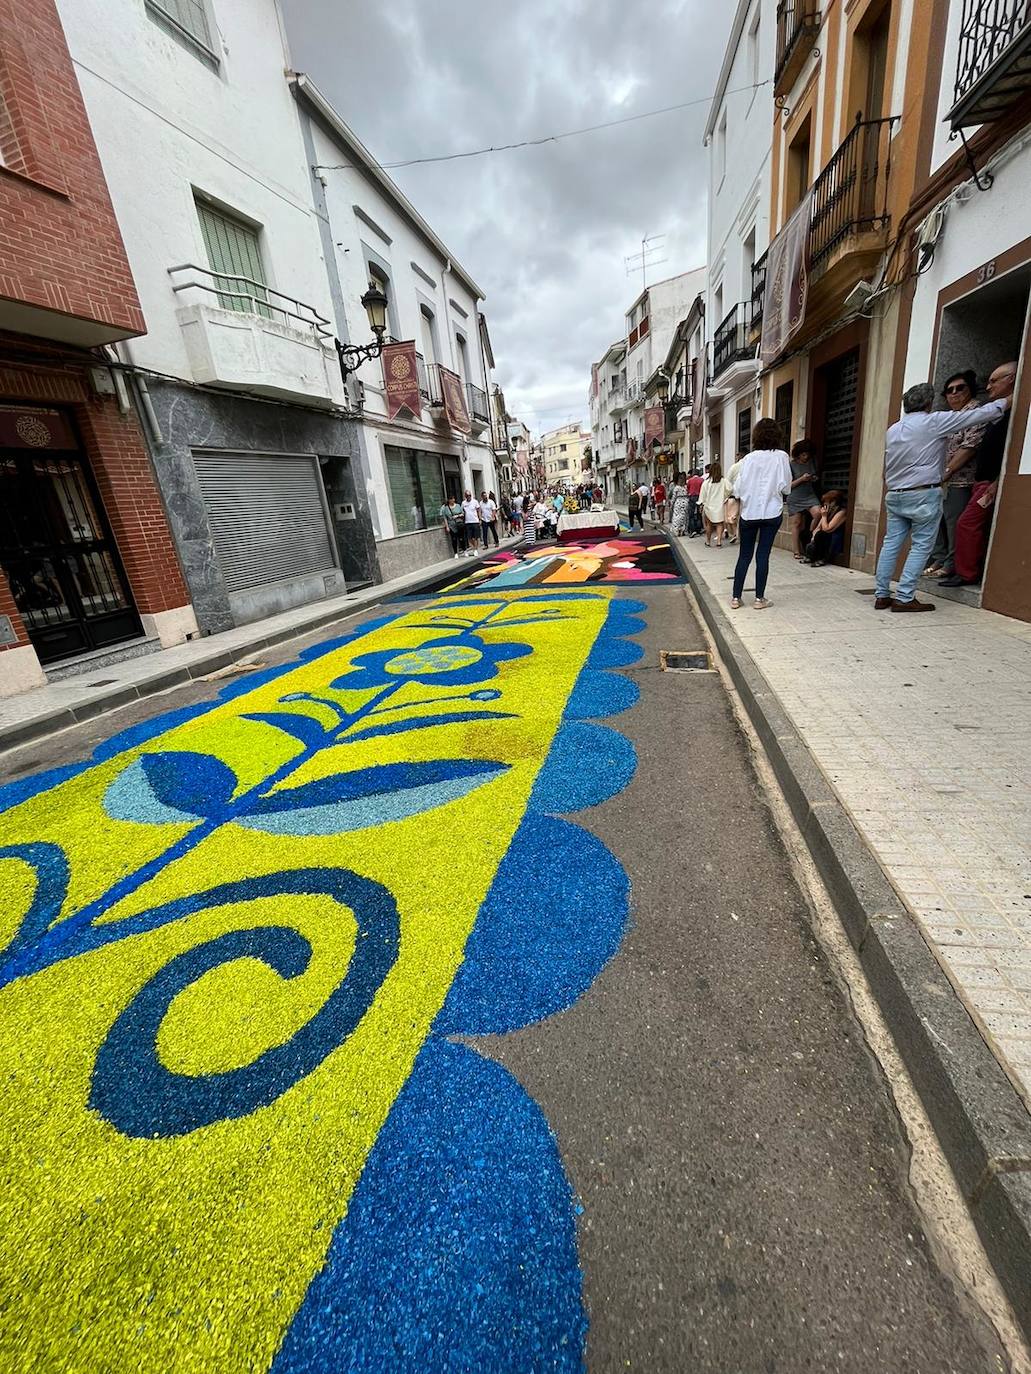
[562, 455]
[377, 236]
[607, 407]
[651, 322]
[737, 135]
[88, 568]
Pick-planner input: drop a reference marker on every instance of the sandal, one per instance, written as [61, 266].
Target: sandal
[735, 603]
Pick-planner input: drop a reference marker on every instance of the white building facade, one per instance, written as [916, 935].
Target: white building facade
[237, 381]
[738, 139]
[283, 484]
[607, 411]
[379, 238]
[650, 323]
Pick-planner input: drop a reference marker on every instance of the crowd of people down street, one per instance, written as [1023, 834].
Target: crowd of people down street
[472, 522]
[941, 470]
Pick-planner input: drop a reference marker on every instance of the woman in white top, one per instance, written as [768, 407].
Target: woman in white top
[713, 500]
[761, 482]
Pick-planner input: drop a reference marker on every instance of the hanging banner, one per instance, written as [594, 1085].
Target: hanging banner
[401, 379]
[454, 400]
[787, 283]
[654, 425]
[697, 392]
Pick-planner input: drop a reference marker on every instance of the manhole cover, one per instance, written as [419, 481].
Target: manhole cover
[673, 661]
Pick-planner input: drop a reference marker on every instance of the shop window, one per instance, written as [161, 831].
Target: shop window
[416, 484]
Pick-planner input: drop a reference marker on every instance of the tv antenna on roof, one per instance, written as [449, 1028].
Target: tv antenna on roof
[656, 243]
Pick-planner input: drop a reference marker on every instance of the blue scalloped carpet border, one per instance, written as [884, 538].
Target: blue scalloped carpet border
[459, 1250]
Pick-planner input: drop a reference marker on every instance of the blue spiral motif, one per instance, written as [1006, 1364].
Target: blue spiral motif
[134, 1091]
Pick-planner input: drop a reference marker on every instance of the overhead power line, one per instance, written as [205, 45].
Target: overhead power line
[547, 138]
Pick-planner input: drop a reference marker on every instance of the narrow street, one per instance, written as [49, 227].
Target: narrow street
[738, 1172]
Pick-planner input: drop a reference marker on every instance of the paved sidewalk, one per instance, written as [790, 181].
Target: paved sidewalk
[31, 715]
[922, 724]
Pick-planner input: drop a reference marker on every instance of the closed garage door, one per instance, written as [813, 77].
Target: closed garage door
[266, 515]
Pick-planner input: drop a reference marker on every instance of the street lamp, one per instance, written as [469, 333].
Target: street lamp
[353, 355]
[662, 387]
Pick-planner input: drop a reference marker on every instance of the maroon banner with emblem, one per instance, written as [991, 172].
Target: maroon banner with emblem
[454, 400]
[20, 428]
[787, 284]
[401, 379]
[654, 425]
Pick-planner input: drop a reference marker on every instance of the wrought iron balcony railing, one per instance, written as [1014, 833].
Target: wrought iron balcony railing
[429, 382]
[477, 402]
[730, 342]
[993, 69]
[758, 293]
[851, 193]
[251, 297]
[798, 25]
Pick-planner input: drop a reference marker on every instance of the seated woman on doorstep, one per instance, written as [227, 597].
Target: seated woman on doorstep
[827, 537]
[802, 498]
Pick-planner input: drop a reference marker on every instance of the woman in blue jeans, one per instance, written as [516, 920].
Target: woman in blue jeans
[761, 481]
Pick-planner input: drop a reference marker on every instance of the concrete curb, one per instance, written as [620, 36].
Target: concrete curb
[162, 679]
[980, 1119]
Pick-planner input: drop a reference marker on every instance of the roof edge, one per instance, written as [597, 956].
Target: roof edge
[308, 91]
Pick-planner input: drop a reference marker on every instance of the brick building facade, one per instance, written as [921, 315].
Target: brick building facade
[87, 562]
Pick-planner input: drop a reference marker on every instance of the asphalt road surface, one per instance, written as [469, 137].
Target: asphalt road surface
[740, 1164]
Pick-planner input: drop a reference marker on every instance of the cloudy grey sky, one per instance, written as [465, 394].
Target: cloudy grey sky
[545, 231]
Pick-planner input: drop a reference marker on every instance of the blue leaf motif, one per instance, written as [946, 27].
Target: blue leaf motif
[304, 728]
[170, 788]
[368, 797]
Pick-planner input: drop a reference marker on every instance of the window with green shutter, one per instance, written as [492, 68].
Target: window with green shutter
[416, 482]
[233, 249]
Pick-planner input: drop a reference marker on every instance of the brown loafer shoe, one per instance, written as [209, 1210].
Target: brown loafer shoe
[913, 605]
[883, 603]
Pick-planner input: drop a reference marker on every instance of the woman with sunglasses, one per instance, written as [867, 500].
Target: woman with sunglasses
[960, 392]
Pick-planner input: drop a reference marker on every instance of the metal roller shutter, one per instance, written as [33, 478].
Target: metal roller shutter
[267, 517]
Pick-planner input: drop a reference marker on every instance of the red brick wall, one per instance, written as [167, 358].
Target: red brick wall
[60, 246]
[121, 466]
[7, 607]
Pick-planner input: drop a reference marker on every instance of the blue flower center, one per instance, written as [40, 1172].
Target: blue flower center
[445, 658]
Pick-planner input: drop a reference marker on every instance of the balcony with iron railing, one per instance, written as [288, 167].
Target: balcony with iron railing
[755, 321]
[730, 342]
[798, 27]
[429, 382]
[993, 68]
[850, 196]
[243, 335]
[476, 399]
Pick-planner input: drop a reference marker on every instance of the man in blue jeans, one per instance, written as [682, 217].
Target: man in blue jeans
[914, 467]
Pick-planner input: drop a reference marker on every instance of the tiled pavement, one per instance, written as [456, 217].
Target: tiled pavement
[922, 724]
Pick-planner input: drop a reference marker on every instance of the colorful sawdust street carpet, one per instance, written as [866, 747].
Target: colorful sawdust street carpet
[236, 1132]
[623, 559]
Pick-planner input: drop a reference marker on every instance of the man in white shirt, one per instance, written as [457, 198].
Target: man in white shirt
[914, 467]
[488, 519]
[471, 516]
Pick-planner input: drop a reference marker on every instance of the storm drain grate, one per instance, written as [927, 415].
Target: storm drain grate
[672, 661]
